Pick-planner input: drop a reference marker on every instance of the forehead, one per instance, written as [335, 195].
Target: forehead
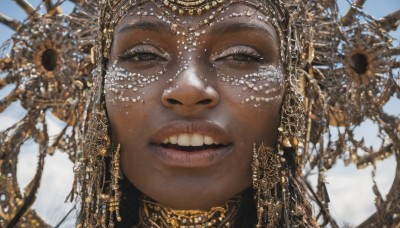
[235, 12]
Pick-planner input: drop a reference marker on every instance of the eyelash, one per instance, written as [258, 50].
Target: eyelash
[253, 56]
[144, 55]
[130, 54]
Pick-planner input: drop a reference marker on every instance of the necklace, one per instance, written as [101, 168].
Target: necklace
[155, 215]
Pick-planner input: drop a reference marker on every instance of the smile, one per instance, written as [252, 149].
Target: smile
[193, 140]
[191, 144]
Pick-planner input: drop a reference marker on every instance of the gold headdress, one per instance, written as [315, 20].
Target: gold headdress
[343, 68]
[190, 6]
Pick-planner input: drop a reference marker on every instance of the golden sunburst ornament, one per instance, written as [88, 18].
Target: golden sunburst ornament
[356, 66]
[47, 61]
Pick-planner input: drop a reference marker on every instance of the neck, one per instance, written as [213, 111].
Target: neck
[155, 215]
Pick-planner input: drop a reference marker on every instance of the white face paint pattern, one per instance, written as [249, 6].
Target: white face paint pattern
[123, 83]
[264, 86]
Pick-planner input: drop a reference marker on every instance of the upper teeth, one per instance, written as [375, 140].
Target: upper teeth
[186, 139]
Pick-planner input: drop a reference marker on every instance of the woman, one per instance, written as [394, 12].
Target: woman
[185, 95]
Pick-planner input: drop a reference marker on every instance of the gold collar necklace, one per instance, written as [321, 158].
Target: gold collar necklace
[155, 215]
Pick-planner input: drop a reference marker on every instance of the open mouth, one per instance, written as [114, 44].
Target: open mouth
[193, 148]
[191, 142]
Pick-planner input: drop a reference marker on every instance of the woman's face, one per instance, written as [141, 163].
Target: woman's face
[188, 98]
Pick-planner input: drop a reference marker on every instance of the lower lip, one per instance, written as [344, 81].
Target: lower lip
[186, 159]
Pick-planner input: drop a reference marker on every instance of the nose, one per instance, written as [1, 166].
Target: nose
[190, 93]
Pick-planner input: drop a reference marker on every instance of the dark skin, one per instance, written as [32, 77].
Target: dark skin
[191, 96]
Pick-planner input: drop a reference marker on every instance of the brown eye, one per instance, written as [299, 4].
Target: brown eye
[143, 53]
[145, 57]
[243, 57]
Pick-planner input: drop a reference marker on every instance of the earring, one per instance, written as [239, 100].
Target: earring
[98, 171]
[115, 193]
[268, 169]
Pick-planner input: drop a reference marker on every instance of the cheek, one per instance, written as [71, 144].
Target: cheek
[269, 118]
[258, 94]
[255, 107]
[262, 120]
[125, 96]
[264, 87]
[125, 87]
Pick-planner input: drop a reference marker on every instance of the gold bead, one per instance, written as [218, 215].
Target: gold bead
[103, 152]
[88, 199]
[174, 27]
[19, 202]
[105, 196]
[284, 180]
[295, 141]
[286, 142]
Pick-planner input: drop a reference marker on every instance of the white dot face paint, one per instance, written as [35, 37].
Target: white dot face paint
[125, 86]
[265, 85]
[192, 43]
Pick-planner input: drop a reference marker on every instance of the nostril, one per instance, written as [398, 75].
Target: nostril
[205, 101]
[173, 101]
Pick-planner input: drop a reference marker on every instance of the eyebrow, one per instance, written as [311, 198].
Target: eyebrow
[221, 28]
[148, 26]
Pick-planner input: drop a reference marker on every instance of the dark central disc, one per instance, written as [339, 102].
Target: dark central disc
[49, 59]
[359, 63]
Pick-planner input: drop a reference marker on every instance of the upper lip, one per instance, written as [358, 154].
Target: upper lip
[190, 127]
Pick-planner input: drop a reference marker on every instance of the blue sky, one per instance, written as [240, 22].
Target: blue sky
[347, 208]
